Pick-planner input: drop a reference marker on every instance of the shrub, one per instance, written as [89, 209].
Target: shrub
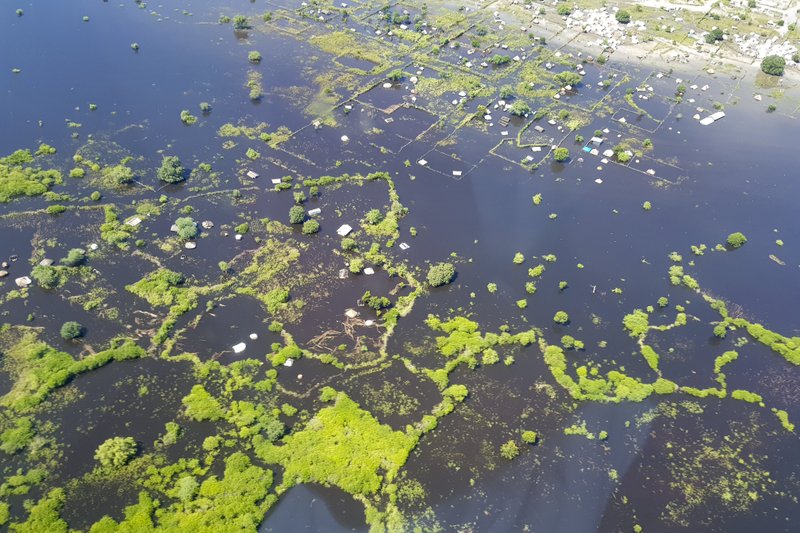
[773, 65]
[441, 274]
[529, 437]
[310, 227]
[170, 170]
[623, 17]
[254, 57]
[71, 330]
[561, 154]
[116, 451]
[561, 317]
[95, 196]
[348, 244]
[55, 209]
[568, 78]
[77, 172]
[187, 118]
[205, 107]
[395, 75]
[242, 228]
[736, 240]
[297, 214]
[564, 10]
[647, 206]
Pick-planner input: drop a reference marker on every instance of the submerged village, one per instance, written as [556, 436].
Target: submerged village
[336, 266]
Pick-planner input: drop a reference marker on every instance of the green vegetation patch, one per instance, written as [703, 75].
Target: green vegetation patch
[342, 445]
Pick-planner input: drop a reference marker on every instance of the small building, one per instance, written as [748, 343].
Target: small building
[23, 282]
[344, 230]
[251, 174]
[538, 128]
[342, 273]
[422, 162]
[597, 141]
[369, 271]
[314, 212]
[351, 313]
[46, 262]
[239, 348]
[133, 222]
[191, 245]
[404, 246]
[457, 173]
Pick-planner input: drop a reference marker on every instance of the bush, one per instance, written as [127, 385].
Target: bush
[310, 227]
[95, 196]
[356, 265]
[71, 330]
[736, 240]
[561, 154]
[623, 17]
[561, 317]
[441, 274]
[171, 170]
[254, 57]
[373, 217]
[242, 228]
[297, 214]
[348, 244]
[187, 228]
[773, 65]
[564, 10]
[55, 209]
[529, 437]
[118, 175]
[116, 451]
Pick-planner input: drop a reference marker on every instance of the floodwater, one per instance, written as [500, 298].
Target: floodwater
[738, 174]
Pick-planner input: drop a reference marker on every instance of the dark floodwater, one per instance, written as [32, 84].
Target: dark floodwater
[736, 175]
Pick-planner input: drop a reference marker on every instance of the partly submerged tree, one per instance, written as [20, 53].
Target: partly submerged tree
[441, 274]
[171, 170]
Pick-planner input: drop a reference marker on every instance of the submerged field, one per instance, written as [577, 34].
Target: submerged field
[283, 266]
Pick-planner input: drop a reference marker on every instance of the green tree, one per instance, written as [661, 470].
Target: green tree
[561, 154]
[441, 274]
[623, 17]
[736, 240]
[714, 36]
[561, 317]
[520, 108]
[187, 228]
[171, 170]
[75, 257]
[509, 450]
[45, 276]
[254, 56]
[773, 65]
[118, 175]
[71, 330]
[310, 227]
[297, 214]
[240, 23]
[568, 78]
[116, 451]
